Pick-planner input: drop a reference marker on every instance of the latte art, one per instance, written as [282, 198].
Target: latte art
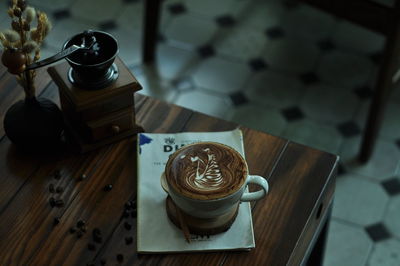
[205, 175]
[206, 170]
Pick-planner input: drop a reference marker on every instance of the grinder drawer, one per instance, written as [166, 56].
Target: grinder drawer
[111, 125]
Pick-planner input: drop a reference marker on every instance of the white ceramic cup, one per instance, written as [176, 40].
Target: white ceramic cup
[212, 208]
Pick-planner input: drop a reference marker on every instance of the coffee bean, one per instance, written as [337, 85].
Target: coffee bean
[57, 174]
[80, 223]
[91, 247]
[90, 264]
[128, 205]
[51, 188]
[97, 239]
[82, 177]
[108, 187]
[59, 189]
[128, 240]
[120, 257]
[134, 213]
[125, 214]
[52, 202]
[127, 226]
[103, 262]
[72, 230]
[83, 228]
[56, 220]
[79, 234]
[96, 231]
[97, 235]
[59, 203]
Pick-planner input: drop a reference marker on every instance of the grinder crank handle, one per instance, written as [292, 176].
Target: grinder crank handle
[87, 45]
[64, 53]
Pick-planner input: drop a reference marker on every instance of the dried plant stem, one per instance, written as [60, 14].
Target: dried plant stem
[22, 43]
[29, 87]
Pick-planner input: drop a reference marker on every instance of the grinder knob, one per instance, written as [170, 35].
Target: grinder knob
[90, 55]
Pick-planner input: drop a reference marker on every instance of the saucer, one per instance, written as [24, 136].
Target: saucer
[200, 226]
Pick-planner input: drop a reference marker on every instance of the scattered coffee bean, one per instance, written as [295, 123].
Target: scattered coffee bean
[134, 213]
[97, 239]
[82, 177]
[128, 205]
[57, 174]
[96, 231]
[80, 223]
[103, 262]
[125, 214]
[83, 228]
[56, 220]
[52, 202]
[59, 189]
[91, 247]
[108, 187]
[72, 230]
[97, 235]
[120, 257]
[51, 188]
[79, 234]
[128, 240]
[59, 203]
[127, 226]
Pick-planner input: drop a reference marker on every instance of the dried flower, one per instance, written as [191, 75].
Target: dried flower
[15, 25]
[21, 4]
[10, 12]
[4, 42]
[30, 14]
[11, 35]
[29, 47]
[26, 26]
[2, 38]
[47, 28]
[21, 43]
[44, 25]
[36, 57]
[17, 12]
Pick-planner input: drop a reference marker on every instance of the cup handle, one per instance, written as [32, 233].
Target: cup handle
[163, 182]
[256, 195]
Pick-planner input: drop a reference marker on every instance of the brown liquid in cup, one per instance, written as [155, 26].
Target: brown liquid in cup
[206, 170]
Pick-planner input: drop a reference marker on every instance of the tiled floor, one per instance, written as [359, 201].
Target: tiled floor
[277, 66]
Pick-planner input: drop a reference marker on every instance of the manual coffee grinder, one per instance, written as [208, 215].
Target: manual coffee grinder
[96, 90]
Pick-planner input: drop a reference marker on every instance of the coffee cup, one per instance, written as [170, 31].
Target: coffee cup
[209, 179]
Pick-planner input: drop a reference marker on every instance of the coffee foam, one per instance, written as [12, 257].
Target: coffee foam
[206, 170]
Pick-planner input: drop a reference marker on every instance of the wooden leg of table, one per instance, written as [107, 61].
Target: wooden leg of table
[150, 31]
[317, 254]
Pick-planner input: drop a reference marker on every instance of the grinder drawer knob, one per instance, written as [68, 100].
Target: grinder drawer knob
[115, 129]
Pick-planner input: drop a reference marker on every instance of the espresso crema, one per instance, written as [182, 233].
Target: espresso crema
[206, 170]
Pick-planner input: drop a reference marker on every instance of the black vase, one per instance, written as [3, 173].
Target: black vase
[34, 124]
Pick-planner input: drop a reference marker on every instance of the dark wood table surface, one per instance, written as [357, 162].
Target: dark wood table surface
[286, 223]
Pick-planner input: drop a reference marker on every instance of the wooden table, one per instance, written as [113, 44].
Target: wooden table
[287, 222]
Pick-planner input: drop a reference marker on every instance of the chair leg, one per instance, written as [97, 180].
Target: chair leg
[151, 21]
[383, 87]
